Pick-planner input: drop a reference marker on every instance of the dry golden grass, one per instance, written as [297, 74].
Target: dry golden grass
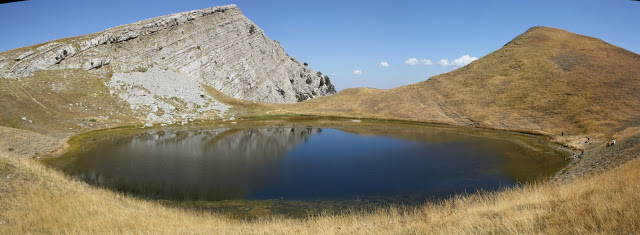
[35, 199]
[18, 143]
[61, 103]
[241, 107]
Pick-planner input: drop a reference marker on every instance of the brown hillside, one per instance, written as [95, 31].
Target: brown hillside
[546, 80]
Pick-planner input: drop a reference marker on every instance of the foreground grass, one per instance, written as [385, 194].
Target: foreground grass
[35, 199]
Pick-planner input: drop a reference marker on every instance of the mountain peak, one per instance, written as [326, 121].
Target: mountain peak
[547, 80]
[216, 46]
[536, 34]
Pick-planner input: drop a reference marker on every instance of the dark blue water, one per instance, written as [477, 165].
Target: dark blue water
[302, 163]
[338, 165]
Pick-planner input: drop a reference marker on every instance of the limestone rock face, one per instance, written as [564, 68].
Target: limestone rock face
[164, 96]
[216, 46]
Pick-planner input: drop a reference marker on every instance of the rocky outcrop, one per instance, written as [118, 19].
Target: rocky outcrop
[165, 96]
[216, 46]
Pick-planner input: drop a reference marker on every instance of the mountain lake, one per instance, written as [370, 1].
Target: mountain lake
[303, 169]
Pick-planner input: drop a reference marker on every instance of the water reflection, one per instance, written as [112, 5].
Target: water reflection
[302, 163]
[189, 164]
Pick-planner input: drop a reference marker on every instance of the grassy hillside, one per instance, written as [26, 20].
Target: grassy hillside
[546, 80]
[61, 103]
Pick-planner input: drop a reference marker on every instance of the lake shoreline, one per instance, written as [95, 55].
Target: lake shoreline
[409, 131]
[250, 121]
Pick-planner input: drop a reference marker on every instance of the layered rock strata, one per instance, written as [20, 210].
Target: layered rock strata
[217, 46]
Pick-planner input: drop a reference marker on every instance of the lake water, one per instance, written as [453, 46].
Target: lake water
[307, 163]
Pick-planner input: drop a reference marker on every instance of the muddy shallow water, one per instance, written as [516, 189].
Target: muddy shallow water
[308, 163]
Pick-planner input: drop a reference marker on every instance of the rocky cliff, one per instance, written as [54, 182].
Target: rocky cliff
[216, 46]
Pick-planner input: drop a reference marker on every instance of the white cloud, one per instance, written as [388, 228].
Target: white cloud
[333, 74]
[462, 61]
[443, 62]
[415, 61]
[412, 61]
[356, 72]
[384, 64]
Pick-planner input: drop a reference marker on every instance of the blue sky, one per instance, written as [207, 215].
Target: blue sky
[340, 37]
